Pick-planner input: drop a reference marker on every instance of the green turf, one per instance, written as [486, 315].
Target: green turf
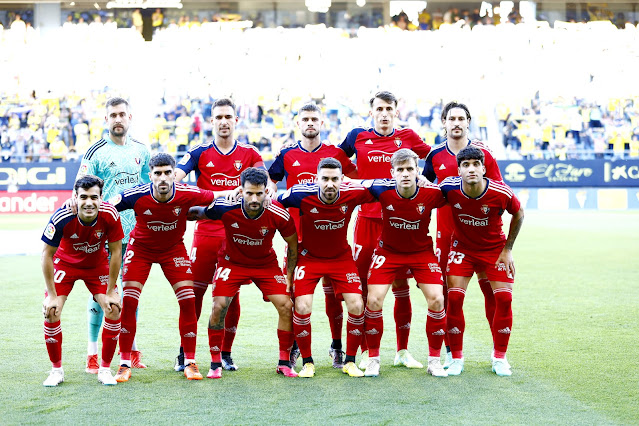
[573, 349]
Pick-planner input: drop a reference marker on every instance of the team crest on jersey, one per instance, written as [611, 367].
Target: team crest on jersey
[177, 210]
[398, 142]
[343, 208]
[99, 233]
[264, 231]
[420, 208]
[237, 165]
[485, 209]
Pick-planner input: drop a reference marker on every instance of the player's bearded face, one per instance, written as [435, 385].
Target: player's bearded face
[253, 197]
[309, 123]
[118, 119]
[162, 178]
[88, 203]
[456, 124]
[405, 174]
[329, 181]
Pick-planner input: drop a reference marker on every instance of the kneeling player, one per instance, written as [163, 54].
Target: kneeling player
[405, 244]
[325, 212]
[479, 245]
[75, 250]
[247, 256]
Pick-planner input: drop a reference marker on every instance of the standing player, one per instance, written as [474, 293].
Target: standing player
[298, 165]
[75, 249]
[374, 148]
[325, 209]
[405, 244]
[161, 209]
[217, 165]
[441, 162]
[248, 255]
[479, 245]
[121, 162]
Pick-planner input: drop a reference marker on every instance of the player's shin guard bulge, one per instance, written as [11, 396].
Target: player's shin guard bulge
[231, 321]
[489, 300]
[187, 321]
[354, 333]
[334, 311]
[435, 331]
[503, 322]
[110, 334]
[374, 328]
[302, 332]
[403, 313]
[455, 320]
[130, 299]
[53, 340]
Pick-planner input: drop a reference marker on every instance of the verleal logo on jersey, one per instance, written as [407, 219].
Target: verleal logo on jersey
[264, 231]
[99, 233]
[86, 247]
[378, 156]
[177, 210]
[420, 208]
[485, 209]
[220, 179]
[157, 225]
[124, 178]
[247, 241]
[306, 177]
[473, 221]
[398, 142]
[329, 225]
[400, 223]
[343, 208]
[238, 165]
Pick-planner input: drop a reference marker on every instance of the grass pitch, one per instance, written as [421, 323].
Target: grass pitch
[573, 348]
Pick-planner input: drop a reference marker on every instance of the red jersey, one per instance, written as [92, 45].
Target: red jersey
[405, 221]
[374, 152]
[83, 246]
[297, 165]
[218, 172]
[249, 241]
[477, 221]
[161, 224]
[442, 163]
[325, 226]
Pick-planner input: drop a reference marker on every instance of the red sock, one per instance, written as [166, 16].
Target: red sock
[187, 321]
[110, 334]
[286, 344]
[446, 342]
[215, 342]
[231, 320]
[130, 299]
[489, 300]
[503, 321]
[354, 333]
[302, 331]
[334, 310]
[199, 289]
[455, 322]
[435, 331]
[374, 326]
[53, 340]
[363, 343]
[403, 314]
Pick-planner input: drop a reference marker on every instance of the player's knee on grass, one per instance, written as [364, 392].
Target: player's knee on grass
[304, 304]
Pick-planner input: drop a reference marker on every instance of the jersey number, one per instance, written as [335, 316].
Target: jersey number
[222, 273]
[193, 254]
[455, 257]
[128, 256]
[58, 276]
[357, 249]
[299, 273]
[377, 261]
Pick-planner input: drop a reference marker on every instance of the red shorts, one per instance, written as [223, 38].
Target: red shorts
[229, 277]
[203, 267]
[443, 248]
[174, 262]
[342, 274]
[386, 265]
[366, 239]
[65, 275]
[464, 262]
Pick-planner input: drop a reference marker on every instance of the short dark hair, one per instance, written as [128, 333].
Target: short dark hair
[310, 107]
[254, 176]
[162, 159]
[470, 153]
[88, 181]
[223, 102]
[329, 163]
[115, 101]
[385, 96]
[454, 104]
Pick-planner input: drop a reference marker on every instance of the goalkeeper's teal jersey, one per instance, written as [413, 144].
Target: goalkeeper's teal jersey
[121, 167]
